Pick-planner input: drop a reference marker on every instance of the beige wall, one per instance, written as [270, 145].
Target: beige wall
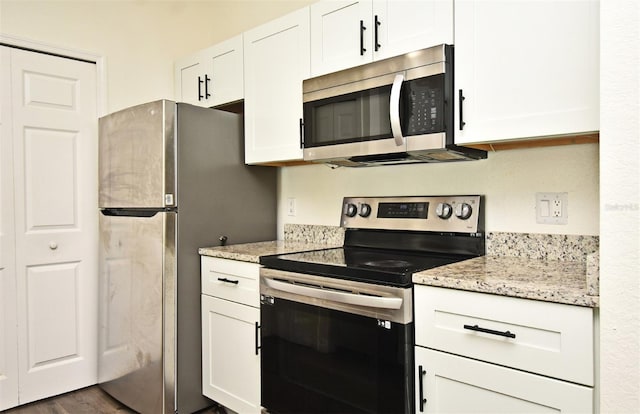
[508, 179]
[140, 39]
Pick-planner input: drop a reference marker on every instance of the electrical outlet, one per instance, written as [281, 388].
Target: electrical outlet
[291, 206]
[552, 208]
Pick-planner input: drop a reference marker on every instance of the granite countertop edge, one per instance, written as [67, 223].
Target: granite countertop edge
[545, 280]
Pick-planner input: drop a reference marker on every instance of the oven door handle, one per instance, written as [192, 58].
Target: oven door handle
[342, 297]
[394, 109]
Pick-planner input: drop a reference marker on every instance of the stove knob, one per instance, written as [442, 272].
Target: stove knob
[463, 211]
[444, 210]
[365, 210]
[351, 210]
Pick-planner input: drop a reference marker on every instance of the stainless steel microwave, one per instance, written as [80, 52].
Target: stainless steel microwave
[397, 110]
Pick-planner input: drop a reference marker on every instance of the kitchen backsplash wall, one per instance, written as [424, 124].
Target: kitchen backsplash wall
[560, 247]
[508, 179]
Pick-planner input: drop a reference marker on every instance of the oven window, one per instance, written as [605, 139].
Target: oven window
[358, 116]
[317, 360]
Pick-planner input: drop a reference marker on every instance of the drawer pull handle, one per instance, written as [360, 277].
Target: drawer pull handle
[225, 280]
[476, 328]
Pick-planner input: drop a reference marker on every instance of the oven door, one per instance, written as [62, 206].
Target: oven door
[327, 350]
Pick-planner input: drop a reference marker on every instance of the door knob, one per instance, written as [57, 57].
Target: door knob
[53, 245]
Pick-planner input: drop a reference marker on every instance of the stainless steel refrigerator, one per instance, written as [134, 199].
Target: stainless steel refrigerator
[172, 179]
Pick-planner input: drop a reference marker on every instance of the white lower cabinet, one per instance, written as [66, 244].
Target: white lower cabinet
[454, 384]
[230, 334]
[481, 353]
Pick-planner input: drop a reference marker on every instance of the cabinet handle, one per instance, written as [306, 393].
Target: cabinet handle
[362, 29]
[258, 337]
[200, 82]
[461, 99]
[225, 280]
[301, 134]
[375, 31]
[207, 79]
[476, 328]
[421, 374]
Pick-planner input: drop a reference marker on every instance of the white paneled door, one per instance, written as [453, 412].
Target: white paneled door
[8, 317]
[54, 139]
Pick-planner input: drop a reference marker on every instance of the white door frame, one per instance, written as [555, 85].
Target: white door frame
[99, 60]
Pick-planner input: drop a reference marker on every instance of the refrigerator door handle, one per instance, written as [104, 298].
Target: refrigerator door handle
[138, 212]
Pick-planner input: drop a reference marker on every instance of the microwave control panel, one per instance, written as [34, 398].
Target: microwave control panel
[424, 105]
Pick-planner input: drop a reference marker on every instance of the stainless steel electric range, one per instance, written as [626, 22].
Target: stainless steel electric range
[336, 328]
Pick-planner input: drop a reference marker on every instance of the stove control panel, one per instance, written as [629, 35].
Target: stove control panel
[457, 214]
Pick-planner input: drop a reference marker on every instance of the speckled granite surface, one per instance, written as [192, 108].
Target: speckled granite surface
[251, 252]
[559, 281]
[309, 233]
[542, 246]
[554, 268]
[593, 273]
[298, 238]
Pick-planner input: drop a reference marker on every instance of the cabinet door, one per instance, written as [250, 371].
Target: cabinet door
[408, 25]
[8, 315]
[230, 360]
[213, 76]
[225, 69]
[189, 78]
[453, 384]
[341, 35]
[276, 62]
[525, 68]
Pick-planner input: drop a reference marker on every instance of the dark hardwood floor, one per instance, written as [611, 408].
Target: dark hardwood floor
[91, 400]
[83, 401]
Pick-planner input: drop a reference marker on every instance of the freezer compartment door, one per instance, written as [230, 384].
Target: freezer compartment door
[137, 156]
[136, 332]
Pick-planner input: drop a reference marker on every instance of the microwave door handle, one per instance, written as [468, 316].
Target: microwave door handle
[394, 109]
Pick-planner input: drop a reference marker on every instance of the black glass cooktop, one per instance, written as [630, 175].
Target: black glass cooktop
[380, 266]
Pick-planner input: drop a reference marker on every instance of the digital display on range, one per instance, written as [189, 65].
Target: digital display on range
[403, 210]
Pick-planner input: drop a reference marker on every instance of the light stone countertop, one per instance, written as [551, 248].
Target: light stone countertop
[547, 280]
[251, 252]
[552, 268]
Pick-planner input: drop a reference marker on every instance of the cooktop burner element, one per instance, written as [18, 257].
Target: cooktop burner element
[387, 239]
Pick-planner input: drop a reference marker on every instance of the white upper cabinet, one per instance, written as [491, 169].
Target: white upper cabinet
[213, 76]
[525, 69]
[349, 33]
[276, 62]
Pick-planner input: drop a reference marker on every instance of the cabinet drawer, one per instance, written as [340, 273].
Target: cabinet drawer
[453, 384]
[545, 338]
[231, 280]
